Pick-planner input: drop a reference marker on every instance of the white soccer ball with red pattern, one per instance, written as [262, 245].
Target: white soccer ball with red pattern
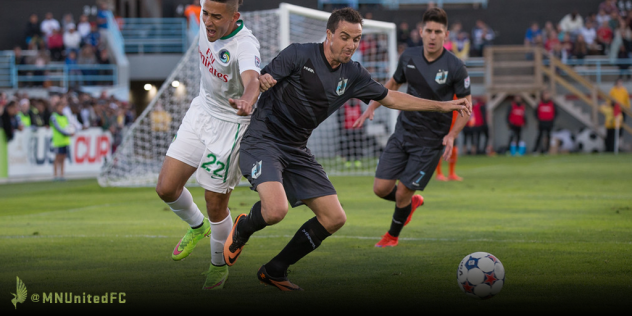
[480, 275]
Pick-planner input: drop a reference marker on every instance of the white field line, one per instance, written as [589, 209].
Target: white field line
[72, 210]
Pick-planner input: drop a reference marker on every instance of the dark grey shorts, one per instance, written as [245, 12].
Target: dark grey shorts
[302, 177]
[412, 165]
[61, 150]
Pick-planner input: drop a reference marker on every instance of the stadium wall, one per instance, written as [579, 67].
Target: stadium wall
[29, 155]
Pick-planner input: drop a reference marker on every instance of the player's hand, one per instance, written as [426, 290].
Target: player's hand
[368, 114]
[266, 82]
[448, 142]
[463, 106]
[244, 108]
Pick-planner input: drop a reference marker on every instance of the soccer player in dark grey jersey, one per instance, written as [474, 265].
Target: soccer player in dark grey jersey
[420, 138]
[303, 86]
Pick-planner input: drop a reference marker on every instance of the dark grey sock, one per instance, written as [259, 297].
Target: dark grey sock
[253, 222]
[306, 240]
[399, 218]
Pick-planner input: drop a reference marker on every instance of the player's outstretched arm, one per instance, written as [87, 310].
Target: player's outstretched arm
[250, 79]
[373, 105]
[405, 102]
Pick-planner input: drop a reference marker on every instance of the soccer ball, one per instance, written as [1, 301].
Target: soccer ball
[480, 275]
[589, 142]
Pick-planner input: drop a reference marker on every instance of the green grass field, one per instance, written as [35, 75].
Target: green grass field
[561, 225]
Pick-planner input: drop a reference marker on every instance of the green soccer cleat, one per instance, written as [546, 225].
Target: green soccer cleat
[190, 240]
[215, 277]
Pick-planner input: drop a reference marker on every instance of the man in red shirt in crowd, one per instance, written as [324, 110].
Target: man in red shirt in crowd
[479, 124]
[604, 36]
[516, 120]
[546, 114]
[351, 137]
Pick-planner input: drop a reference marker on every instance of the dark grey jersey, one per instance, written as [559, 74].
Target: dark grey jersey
[438, 80]
[308, 91]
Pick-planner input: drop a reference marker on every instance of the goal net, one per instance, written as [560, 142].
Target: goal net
[341, 149]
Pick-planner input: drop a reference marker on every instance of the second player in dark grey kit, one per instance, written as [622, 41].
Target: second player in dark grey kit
[420, 138]
[304, 85]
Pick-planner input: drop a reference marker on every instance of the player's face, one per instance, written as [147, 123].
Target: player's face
[218, 19]
[344, 41]
[433, 35]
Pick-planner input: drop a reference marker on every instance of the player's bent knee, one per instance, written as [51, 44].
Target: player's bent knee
[167, 193]
[340, 220]
[274, 214]
[335, 222]
[381, 191]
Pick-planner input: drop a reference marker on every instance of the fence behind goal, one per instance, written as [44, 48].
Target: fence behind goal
[341, 149]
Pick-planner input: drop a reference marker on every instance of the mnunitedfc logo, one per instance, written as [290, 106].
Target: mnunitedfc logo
[64, 297]
[441, 77]
[21, 294]
[256, 170]
[342, 86]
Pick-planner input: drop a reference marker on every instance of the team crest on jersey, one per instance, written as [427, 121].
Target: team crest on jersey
[342, 86]
[466, 83]
[441, 77]
[257, 62]
[224, 56]
[256, 170]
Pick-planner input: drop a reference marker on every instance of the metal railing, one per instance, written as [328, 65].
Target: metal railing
[65, 75]
[595, 68]
[154, 35]
[7, 63]
[394, 4]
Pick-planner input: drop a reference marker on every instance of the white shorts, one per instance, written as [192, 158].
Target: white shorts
[212, 146]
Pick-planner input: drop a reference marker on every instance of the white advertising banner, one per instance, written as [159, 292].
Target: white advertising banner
[30, 153]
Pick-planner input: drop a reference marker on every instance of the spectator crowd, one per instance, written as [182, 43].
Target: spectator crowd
[69, 41]
[572, 37]
[20, 111]
[606, 31]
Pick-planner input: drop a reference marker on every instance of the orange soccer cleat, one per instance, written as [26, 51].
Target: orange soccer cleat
[282, 283]
[234, 244]
[387, 241]
[418, 201]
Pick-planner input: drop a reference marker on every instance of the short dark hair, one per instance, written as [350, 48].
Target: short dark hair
[435, 15]
[235, 4]
[346, 14]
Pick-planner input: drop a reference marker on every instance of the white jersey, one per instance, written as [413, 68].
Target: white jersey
[221, 64]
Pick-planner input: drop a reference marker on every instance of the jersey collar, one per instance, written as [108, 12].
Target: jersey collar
[431, 62]
[241, 26]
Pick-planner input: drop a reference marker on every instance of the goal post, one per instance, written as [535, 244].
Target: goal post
[341, 150]
[370, 26]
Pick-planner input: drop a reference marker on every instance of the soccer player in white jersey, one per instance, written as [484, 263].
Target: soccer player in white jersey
[207, 142]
